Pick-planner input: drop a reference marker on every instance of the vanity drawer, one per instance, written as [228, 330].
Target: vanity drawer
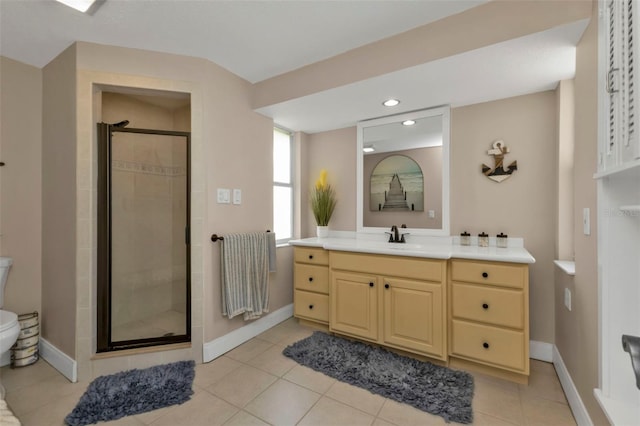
[504, 348]
[492, 305]
[311, 278]
[501, 274]
[312, 255]
[397, 266]
[313, 306]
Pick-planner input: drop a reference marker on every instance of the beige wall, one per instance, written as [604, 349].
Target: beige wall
[59, 203]
[238, 154]
[524, 204]
[21, 183]
[565, 151]
[577, 331]
[334, 151]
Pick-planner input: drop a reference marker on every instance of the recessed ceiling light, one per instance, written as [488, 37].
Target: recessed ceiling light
[368, 149]
[408, 122]
[391, 102]
[81, 5]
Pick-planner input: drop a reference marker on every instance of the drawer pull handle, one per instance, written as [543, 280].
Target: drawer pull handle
[310, 279]
[370, 284]
[485, 275]
[310, 256]
[485, 345]
[311, 307]
[386, 286]
[485, 306]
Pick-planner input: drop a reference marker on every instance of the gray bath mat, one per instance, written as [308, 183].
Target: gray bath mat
[428, 387]
[134, 392]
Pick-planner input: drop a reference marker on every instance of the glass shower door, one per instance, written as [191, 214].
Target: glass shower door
[148, 197]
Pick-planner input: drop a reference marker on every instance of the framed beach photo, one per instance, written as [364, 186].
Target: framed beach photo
[397, 184]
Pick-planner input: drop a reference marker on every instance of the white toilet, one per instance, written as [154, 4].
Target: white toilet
[9, 326]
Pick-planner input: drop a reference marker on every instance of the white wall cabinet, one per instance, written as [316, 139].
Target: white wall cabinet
[620, 87]
[619, 207]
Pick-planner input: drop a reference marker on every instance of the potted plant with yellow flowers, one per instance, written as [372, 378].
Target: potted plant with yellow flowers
[323, 201]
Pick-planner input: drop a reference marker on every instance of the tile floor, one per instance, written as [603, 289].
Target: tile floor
[255, 384]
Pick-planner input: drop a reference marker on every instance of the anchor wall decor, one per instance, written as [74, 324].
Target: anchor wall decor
[498, 173]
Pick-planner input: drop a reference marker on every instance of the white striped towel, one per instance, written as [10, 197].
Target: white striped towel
[245, 275]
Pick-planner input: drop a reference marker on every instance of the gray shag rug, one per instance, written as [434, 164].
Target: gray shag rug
[428, 387]
[134, 392]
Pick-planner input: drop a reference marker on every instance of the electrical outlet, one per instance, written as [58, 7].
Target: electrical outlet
[432, 214]
[567, 298]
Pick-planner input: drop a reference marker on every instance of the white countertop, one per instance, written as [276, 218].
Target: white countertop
[437, 248]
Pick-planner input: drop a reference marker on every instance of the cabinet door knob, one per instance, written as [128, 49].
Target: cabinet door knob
[310, 279]
[310, 256]
[485, 275]
[311, 307]
[370, 284]
[386, 286]
[485, 306]
[485, 345]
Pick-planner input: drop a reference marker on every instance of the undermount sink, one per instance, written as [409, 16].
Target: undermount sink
[404, 246]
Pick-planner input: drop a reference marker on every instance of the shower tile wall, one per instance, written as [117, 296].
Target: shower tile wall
[149, 204]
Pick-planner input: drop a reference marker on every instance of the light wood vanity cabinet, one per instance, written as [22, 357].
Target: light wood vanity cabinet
[391, 300]
[311, 284]
[469, 313]
[489, 314]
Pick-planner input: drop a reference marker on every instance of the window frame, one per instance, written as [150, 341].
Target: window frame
[290, 185]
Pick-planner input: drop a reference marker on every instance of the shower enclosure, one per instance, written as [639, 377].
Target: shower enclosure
[143, 237]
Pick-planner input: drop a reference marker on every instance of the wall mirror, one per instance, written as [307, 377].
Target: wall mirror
[403, 172]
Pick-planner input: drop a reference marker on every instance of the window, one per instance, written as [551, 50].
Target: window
[282, 185]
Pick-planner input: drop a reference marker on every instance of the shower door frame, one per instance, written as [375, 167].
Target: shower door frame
[103, 323]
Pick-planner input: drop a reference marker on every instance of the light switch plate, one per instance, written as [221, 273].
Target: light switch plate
[567, 298]
[237, 196]
[432, 214]
[224, 196]
[586, 221]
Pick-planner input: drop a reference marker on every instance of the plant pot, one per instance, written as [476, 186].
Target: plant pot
[322, 231]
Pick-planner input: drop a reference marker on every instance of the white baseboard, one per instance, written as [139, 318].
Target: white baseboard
[62, 362]
[217, 347]
[541, 351]
[573, 397]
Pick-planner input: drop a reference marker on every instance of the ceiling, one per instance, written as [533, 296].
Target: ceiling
[257, 40]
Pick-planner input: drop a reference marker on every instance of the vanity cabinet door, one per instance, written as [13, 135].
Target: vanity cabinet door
[354, 304]
[414, 316]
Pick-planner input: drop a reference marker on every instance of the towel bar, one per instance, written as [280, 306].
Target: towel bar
[216, 237]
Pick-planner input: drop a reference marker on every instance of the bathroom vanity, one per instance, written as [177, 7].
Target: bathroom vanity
[459, 305]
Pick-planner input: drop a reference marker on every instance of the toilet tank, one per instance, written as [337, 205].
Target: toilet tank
[5, 264]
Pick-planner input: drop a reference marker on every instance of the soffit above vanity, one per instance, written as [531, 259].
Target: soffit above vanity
[493, 51]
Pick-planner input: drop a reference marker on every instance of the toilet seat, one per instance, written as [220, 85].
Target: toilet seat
[7, 320]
